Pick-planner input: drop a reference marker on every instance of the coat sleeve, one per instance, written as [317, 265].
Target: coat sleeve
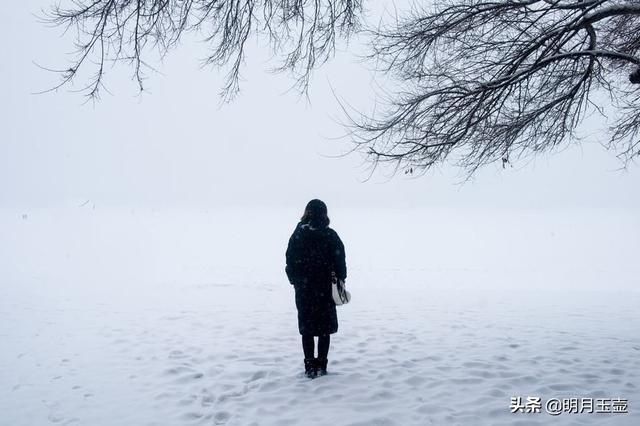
[291, 256]
[339, 262]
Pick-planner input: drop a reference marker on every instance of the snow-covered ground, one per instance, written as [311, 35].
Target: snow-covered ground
[177, 317]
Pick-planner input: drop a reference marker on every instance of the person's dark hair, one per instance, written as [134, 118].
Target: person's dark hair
[315, 214]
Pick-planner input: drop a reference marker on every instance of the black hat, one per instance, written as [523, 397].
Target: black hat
[316, 207]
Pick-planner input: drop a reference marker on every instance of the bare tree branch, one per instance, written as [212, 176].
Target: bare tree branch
[112, 31]
[480, 80]
[489, 81]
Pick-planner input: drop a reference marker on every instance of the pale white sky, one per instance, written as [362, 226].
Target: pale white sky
[177, 146]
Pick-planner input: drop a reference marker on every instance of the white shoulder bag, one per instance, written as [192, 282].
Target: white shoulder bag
[340, 294]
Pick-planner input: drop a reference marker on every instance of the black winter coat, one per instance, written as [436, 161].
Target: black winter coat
[312, 254]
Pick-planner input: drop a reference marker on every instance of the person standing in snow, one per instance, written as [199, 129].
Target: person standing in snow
[315, 251]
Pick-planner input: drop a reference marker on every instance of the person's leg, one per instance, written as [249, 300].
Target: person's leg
[308, 349]
[323, 351]
[308, 345]
[323, 345]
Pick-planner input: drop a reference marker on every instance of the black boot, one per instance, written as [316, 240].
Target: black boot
[321, 366]
[310, 368]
